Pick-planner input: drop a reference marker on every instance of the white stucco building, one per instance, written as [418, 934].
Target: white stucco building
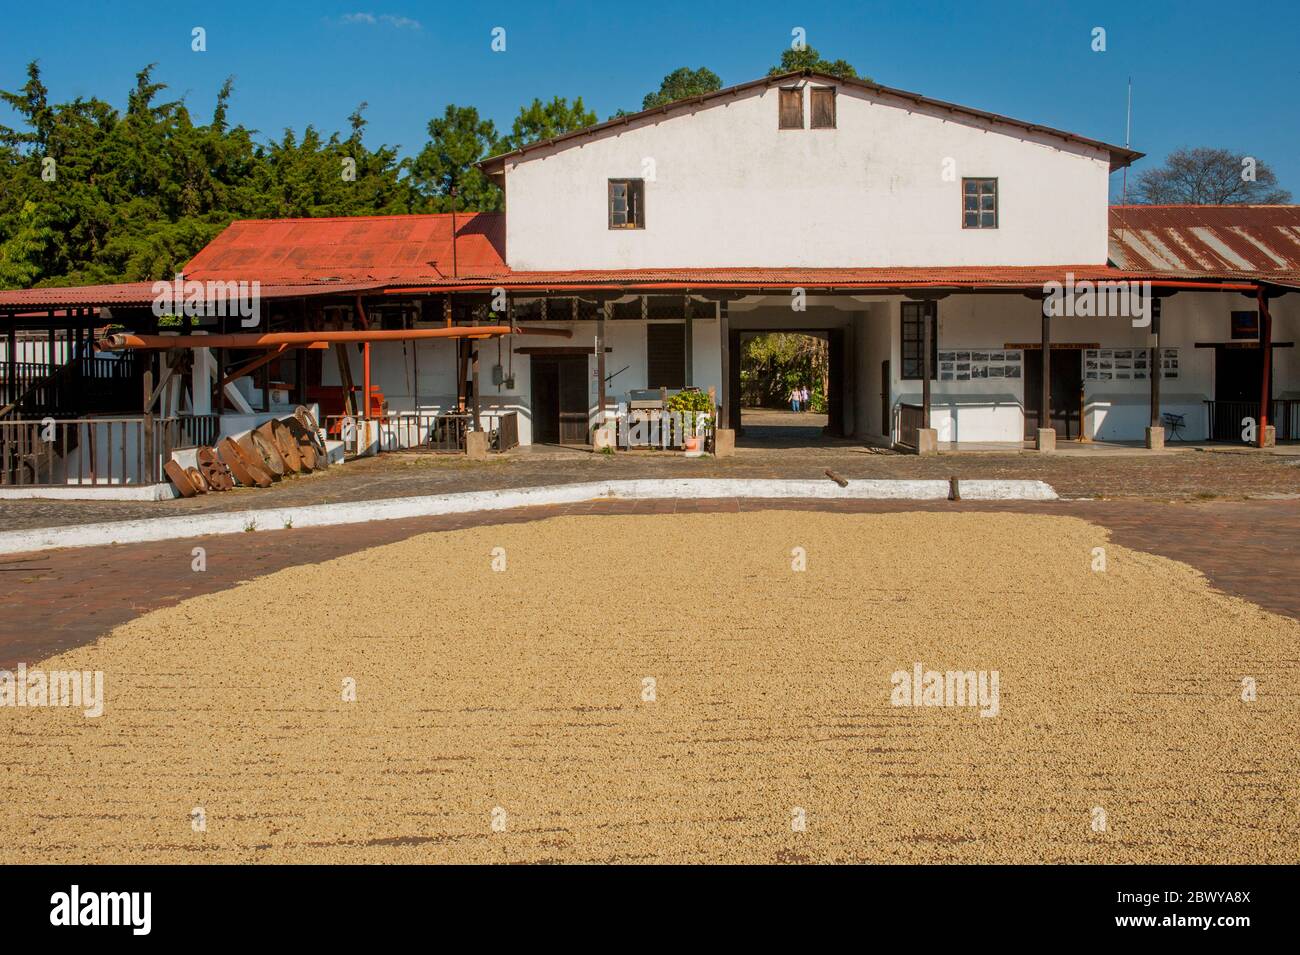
[659, 242]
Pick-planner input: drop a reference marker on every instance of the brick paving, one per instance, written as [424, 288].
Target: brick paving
[60, 599]
[1173, 475]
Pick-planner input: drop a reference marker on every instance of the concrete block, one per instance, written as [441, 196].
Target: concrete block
[1046, 440]
[724, 443]
[476, 445]
[1156, 438]
[1270, 436]
[927, 441]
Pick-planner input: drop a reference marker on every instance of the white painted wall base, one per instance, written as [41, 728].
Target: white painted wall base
[359, 512]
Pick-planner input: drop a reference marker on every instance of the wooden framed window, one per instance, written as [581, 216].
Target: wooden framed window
[823, 107]
[979, 203]
[1245, 326]
[627, 203]
[791, 107]
[913, 338]
[665, 349]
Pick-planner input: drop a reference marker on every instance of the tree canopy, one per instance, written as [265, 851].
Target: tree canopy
[93, 194]
[1205, 176]
[809, 59]
[682, 83]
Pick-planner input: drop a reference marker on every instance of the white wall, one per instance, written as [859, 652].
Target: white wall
[731, 189]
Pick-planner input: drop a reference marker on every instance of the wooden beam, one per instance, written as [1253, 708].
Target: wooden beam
[606, 311]
[1266, 383]
[689, 332]
[474, 385]
[925, 362]
[1045, 408]
[1155, 366]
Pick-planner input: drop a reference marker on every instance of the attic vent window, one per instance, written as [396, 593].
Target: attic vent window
[627, 203]
[823, 107]
[791, 102]
[979, 203]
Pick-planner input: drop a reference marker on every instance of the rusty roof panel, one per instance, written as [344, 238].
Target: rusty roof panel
[142, 293]
[354, 249]
[1257, 241]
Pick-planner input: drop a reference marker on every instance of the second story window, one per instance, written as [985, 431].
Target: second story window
[979, 203]
[791, 108]
[823, 107]
[627, 203]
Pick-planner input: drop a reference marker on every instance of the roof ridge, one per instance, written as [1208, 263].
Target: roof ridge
[1119, 155]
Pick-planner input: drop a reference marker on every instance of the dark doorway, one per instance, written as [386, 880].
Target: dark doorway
[1238, 378]
[886, 425]
[559, 399]
[1067, 391]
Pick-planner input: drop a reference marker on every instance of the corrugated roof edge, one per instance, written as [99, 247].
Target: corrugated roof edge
[1120, 156]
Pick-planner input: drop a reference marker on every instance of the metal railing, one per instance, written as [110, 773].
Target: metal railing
[1226, 418]
[98, 451]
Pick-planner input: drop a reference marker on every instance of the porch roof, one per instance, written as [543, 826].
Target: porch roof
[963, 277]
[37, 300]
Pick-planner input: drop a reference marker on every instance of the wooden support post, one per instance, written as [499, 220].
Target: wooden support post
[689, 331]
[462, 346]
[146, 433]
[474, 385]
[1266, 359]
[1155, 364]
[925, 364]
[606, 311]
[11, 373]
[1045, 408]
[724, 348]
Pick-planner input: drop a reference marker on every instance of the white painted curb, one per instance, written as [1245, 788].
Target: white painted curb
[357, 512]
[90, 492]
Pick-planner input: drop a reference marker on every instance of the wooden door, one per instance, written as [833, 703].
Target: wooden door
[1067, 391]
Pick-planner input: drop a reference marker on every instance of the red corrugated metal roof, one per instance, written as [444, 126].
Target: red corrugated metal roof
[354, 249]
[142, 293]
[1245, 241]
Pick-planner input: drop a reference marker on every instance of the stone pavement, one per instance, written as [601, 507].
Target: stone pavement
[60, 599]
[1172, 475]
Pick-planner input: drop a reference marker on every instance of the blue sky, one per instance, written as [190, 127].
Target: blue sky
[1203, 73]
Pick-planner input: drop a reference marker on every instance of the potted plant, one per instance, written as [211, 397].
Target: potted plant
[694, 407]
